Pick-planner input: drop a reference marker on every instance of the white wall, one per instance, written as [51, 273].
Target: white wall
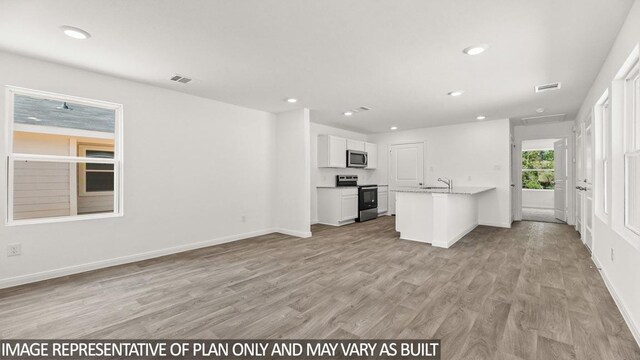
[621, 273]
[192, 168]
[327, 176]
[472, 154]
[292, 194]
[537, 198]
[538, 144]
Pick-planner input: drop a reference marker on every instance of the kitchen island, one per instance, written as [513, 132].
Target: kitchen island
[438, 216]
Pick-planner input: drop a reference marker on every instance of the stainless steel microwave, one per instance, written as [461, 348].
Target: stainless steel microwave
[357, 159]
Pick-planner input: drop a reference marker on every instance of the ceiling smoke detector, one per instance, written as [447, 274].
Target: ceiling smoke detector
[180, 79]
[548, 87]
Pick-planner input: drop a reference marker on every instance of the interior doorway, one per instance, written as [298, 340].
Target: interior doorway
[544, 178]
[406, 168]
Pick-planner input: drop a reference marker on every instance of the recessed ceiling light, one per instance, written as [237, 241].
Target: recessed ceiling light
[481, 117]
[475, 49]
[540, 110]
[74, 32]
[292, 100]
[394, 128]
[347, 113]
[455, 93]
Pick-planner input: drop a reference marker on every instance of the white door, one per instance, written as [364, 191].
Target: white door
[579, 180]
[406, 168]
[560, 172]
[587, 190]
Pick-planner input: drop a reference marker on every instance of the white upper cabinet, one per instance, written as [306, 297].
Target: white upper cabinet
[332, 151]
[355, 145]
[372, 154]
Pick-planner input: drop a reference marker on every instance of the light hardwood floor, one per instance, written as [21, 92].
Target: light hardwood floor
[530, 292]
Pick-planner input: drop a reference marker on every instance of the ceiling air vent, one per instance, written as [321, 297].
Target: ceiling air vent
[548, 87]
[180, 79]
[543, 119]
[361, 108]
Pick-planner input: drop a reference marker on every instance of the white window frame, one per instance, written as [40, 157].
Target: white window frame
[602, 179]
[620, 150]
[11, 157]
[632, 133]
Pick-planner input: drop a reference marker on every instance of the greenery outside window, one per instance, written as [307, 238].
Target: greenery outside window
[537, 170]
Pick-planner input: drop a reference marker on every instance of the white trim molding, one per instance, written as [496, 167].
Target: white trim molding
[635, 329]
[76, 269]
[296, 233]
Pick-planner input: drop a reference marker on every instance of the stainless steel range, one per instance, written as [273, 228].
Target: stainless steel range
[367, 197]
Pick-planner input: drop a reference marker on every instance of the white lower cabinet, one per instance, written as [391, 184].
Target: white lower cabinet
[383, 199]
[349, 205]
[337, 206]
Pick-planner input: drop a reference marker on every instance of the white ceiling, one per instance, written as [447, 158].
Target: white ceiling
[398, 57]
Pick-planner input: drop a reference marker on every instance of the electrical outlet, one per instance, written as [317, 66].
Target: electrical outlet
[611, 254]
[14, 249]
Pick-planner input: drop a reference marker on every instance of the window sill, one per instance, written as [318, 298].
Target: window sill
[604, 218]
[627, 235]
[52, 220]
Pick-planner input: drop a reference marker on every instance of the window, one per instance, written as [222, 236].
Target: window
[632, 149]
[95, 179]
[537, 169]
[603, 155]
[64, 157]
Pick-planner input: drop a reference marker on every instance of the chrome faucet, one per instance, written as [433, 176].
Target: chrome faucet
[449, 182]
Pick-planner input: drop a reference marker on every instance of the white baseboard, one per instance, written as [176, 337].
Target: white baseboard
[635, 330]
[296, 233]
[75, 269]
[501, 225]
[462, 234]
[314, 221]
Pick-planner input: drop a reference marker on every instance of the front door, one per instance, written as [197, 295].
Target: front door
[560, 172]
[406, 168]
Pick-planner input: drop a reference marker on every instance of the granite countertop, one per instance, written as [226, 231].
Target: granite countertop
[462, 190]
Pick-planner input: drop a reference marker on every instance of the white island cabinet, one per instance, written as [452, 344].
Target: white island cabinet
[439, 217]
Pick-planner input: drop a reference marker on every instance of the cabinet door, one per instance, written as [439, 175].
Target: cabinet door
[337, 152]
[355, 145]
[372, 154]
[383, 202]
[349, 207]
